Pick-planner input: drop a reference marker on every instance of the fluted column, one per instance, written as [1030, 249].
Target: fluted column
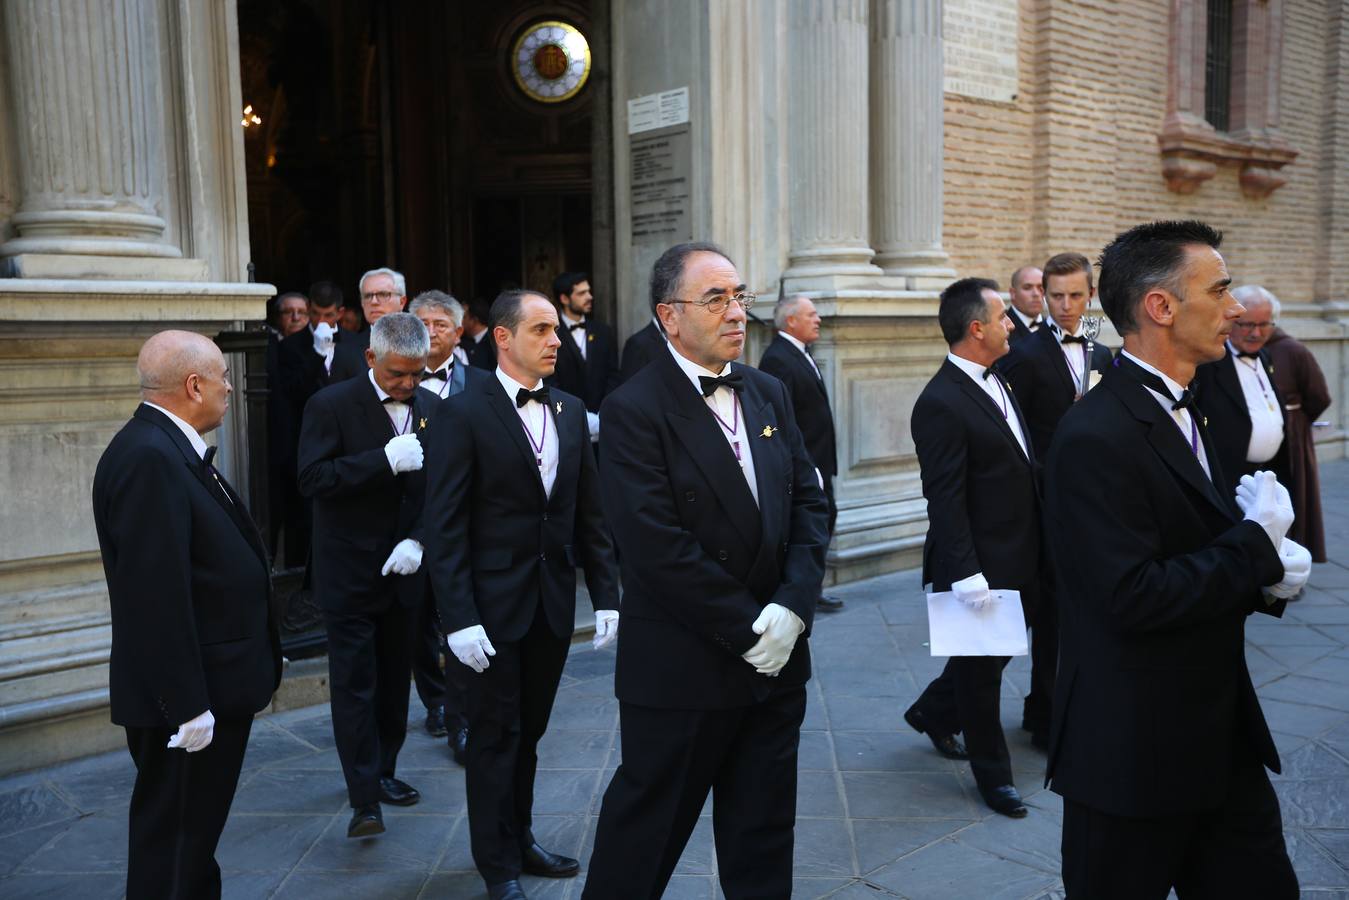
[87, 102]
[827, 137]
[906, 137]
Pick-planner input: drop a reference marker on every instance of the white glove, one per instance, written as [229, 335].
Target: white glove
[404, 453]
[973, 591]
[405, 559]
[1297, 568]
[593, 423]
[1266, 502]
[471, 647]
[194, 734]
[606, 627]
[779, 628]
[323, 338]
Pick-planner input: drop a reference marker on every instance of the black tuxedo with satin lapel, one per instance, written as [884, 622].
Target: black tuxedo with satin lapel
[640, 348]
[983, 507]
[1157, 571]
[1022, 330]
[349, 357]
[590, 377]
[1217, 390]
[189, 588]
[482, 354]
[1044, 386]
[810, 401]
[502, 554]
[700, 561]
[362, 510]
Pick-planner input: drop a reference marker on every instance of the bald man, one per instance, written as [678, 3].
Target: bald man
[195, 651]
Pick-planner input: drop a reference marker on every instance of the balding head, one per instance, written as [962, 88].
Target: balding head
[186, 374]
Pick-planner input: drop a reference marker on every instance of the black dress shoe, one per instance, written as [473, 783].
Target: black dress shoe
[366, 821]
[435, 721]
[1004, 799]
[538, 861]
[946, 744]
[399, 793]
[459, 745]
[828, 604]
[507, 890]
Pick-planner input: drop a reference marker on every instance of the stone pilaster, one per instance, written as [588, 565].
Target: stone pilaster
[87, 99]
[906, 140]
[826, 101]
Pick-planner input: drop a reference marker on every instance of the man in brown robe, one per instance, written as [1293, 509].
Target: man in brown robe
[1300, 382]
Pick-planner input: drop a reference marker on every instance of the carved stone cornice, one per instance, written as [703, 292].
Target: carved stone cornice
[1192, 150]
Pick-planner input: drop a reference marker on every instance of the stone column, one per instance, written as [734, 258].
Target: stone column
[826, 99]
[87, 102]
[906, 139]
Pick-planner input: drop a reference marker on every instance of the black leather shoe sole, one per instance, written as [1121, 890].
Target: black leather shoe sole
[365, 822]
[945, 744]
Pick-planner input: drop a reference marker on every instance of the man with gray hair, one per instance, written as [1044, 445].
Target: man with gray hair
[788, 359]
[382, 291]
[360, 460]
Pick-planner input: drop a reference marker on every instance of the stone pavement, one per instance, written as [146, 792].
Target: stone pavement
[880, 815]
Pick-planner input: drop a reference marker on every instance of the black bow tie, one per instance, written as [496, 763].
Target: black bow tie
[575, 325]
[443, 374]
[523, 396]
[394, 400]
[987, 372]
[1242, 354]
[1154, 382]
[208, 456]
[1073, 339]
[735, 381]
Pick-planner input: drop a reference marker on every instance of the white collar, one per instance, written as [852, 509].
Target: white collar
[445, 367]
[379, 391]
[568, 320]
[1021, 317]
[1172, 385]
[188, 431]
[692, 371]
[514, 387]
[1059, 331]
[969, 367]
[798, 344]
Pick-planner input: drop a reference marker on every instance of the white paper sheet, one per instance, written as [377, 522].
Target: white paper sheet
[955, 629]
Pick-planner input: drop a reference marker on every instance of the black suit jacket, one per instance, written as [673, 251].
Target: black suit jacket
[810, 401]
[349, 357]
[591, 378]
[1157, 572]
[361, 508]
[700, 560]
[302, 370]
[481, 354]
[188, 582]
[641, 347]
[497, 546]
[1022, 331]
[982, 491]
[1217, 390]
[1044, 385]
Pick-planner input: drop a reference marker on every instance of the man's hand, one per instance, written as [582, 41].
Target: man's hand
[1266, 502]
[1297, 568]
[593, 425]
[323, 338]
[405, 559]
[194, 734]
[471, 647]
[779, 628]
[973, 591]
[606, 627]
[404, 453]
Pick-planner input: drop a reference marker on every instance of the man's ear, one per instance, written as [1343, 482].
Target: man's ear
[369, 357]
[666, 313]
[1159, 306]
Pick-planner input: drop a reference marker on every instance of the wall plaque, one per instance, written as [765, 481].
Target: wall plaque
[980, 42]
[661, 163]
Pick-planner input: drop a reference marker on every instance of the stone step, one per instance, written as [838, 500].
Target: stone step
[53, 604]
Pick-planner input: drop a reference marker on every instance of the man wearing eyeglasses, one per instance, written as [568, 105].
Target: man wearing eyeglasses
[1241, 400]
[382, 291]
[721, 527]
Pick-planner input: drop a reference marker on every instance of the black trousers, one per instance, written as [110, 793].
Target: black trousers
[437, 686]
[671, 758]
[965, 698]
[1236, 850]
[1037, 710]
[178, 809]
[508, 709]
[368, 669]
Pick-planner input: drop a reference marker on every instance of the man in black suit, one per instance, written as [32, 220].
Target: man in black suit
[587, 360]
[512, 509]
[641, 347]
[983, 504]
[1027, 312]
[194, 646]
[1238, 395]
[1159, 745]
[477, 342]
[1048, 373]
[361, 462]
[721, 522]
[788, 359]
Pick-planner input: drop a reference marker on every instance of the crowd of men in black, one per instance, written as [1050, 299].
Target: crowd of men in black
[454, 466]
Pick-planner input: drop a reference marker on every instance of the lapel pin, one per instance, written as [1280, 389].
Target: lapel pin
[590, 337]
[421, 425]
[767, 431]
[557, 408]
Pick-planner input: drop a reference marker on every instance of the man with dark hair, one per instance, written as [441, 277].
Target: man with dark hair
[360, 462]
[1159, 746]
[721, 522]
[641, 347]
[512, 509]
[288, 313]
[1028, 303]
[477, 341]
[587, 361]
[978, 470]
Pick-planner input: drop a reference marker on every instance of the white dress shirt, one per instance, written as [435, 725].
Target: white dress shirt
[578, 335]
[1181, 417]
[198, 444]
[1074, 354]
[997, 392]
[399, 413]
[1262, 405]
[726, 406]
[801, 345]
[1031, 325]
[439, 381]
[540, 426]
